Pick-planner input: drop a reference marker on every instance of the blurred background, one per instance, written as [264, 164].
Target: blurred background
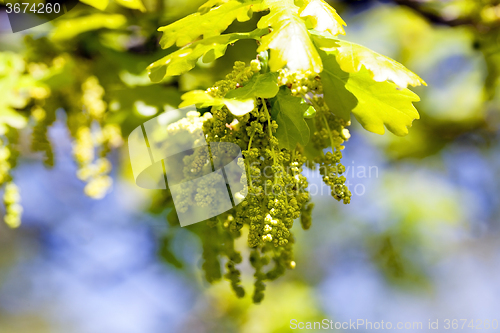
[419, 242]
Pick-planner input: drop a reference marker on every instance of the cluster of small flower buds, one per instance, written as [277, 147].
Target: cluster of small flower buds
[300, 83]
[91, 170]
[13, 209]
[4, 162]
[240, 74]
[40, 141]
[276, 190]
[92, 99]
[11, 197]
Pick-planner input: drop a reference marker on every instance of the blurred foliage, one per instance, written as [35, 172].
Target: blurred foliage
[455, 47]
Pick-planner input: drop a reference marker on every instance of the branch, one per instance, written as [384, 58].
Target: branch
[433, 17]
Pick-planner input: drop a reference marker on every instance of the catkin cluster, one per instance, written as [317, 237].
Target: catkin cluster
[35, 103]
[11, 197]
[95, 140]
[276, 190]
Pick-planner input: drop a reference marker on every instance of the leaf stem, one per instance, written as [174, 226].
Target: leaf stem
[316, 106]
[329, 132]
[269, 128]
[247, 163]
[268, 114]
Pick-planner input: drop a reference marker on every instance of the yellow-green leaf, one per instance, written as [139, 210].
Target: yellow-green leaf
[132, 4]
[184, 59]
[99, 4]
[382, 103]
[240, 107]
[288, 112]
[210, 24]
[67, 29]
[202, 99]
[289, 41]
[351, 57]
[322, 17]
[374, 104]
[340, 100]
[260, 85]
[210, 4]
[310, 112]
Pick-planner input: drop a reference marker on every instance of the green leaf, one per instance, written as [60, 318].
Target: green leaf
[132, 4]
[374, 104]
[260, 85]
[310, 151]
[322, 16]
[340, 100]
[288, 112]
[382, 103]
[289, 41]
[202, 99]
[67, 29]
[210, 4]
[184, 59]
[239, 107]
[324, 41]
[210, 24]
[239, 101]
[310, 112]
[352, 57]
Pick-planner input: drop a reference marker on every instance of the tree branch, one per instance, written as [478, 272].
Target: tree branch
[433, 17]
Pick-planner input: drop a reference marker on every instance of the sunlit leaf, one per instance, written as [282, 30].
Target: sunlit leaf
[99, 4]
[374, 104]
[132, 4]
[352, 57]
[288, 112]
[310, 112]
[240, 107]
[239, 101]
[382, 103]
[260, 85]
[340, 100]
[322, 16]
[202, 99]
[289, 41]
[67, 29]
[210, 4]
[210, 24]
[184, 59]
